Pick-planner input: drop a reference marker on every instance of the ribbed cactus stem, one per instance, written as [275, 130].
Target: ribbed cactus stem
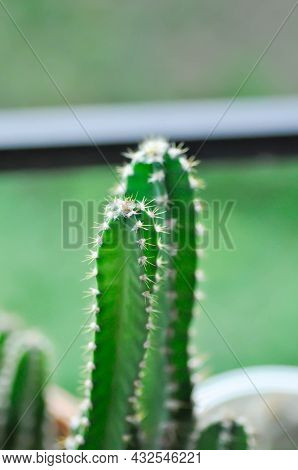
[140, 425]
[144, 177]
[163, 173]
[121, 319]
[24, 422]
[183, 267]
[225, 435]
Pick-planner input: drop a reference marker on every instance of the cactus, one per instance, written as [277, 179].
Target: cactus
[161, 173]
[24, 422]
[138, 396]
[123, 314]
[144, 178]
[138, 391]
[146, 279]
[224, 435]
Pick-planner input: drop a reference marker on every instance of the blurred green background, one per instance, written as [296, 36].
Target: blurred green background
[252, 293]
[111, 51]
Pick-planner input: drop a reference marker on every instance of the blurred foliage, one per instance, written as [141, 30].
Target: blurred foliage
[251, 291]
[108, 51]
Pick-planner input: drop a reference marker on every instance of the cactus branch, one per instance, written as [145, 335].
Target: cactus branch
[119, 328]
[162, 173]
[145, 179]
[24, 421]
[225, 435]
[179, 175]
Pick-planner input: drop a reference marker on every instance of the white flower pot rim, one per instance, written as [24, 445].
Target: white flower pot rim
[240, 383]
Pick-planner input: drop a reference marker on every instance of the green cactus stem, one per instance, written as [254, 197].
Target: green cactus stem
[122, 317]
[145, 179]
[162, 173]
[225, 435]
[24, 423]
[181, 195]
